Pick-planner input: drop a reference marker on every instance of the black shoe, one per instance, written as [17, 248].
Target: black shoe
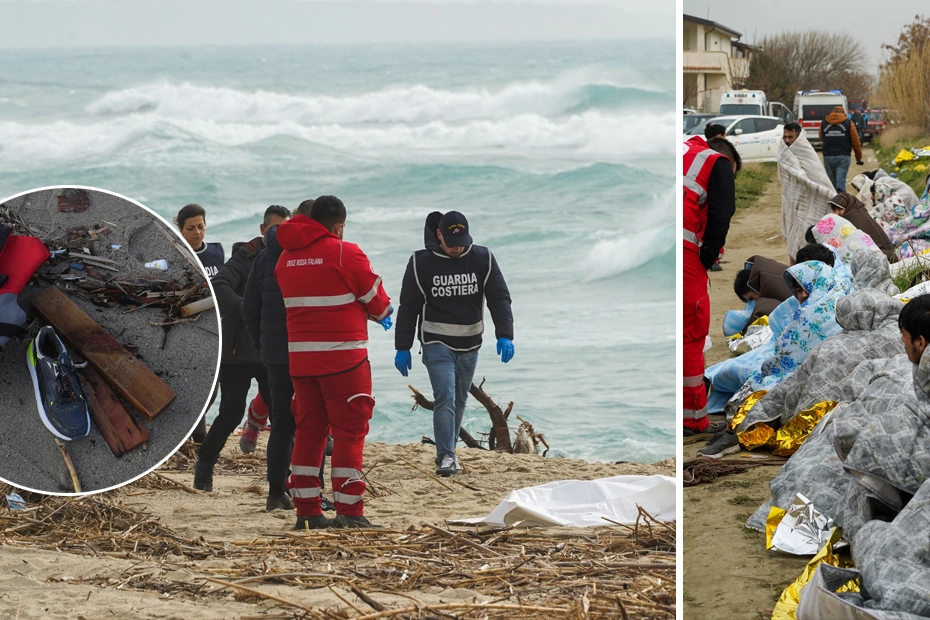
[712, 429]
[278, 501]
[722, 444]
[203, 477]
[59, 396]
[325, 504]
[344, 522]
[318, 522]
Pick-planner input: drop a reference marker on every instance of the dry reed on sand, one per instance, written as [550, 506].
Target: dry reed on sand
[617, 572]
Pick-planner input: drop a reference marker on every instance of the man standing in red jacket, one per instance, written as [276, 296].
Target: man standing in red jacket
[709, 202]
[330, 293]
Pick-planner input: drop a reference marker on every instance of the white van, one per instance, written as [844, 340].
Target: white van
[743, 102]
[812, 106]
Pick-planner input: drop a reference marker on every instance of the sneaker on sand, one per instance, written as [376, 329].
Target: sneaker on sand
[722, 444]
[345, 522]
[449, 465]
[59, 396]
[279, 501]
[712, 429]
[203, 477]
[249, 438]
[318, 522]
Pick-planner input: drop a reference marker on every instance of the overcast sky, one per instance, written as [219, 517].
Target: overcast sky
[102, 23]
[871, 22]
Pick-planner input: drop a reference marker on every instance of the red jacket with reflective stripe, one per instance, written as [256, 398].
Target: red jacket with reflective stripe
[698, 161]
[330, 293]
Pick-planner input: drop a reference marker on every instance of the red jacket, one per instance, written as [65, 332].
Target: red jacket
[330, 293]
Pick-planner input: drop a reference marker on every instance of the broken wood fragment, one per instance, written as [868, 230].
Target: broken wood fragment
[121, 432]
[144, 390]
[422, 401]
[499, 438]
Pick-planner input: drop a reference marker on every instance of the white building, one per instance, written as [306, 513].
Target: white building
[715, 61]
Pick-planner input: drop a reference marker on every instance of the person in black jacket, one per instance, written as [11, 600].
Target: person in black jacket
[240, 362]
[442, 302]
[265, 319]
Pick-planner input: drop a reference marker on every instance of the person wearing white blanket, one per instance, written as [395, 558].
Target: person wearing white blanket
[805, 187]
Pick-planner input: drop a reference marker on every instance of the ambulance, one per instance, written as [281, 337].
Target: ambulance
[812, 106]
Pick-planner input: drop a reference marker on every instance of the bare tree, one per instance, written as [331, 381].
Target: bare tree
[809, 60]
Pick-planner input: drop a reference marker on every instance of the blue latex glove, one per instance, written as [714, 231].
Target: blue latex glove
[387, 321]
[403, 362]
[505, 349]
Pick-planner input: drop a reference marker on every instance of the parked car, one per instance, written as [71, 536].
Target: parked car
[756, 138]
[690, 120]
[875, 123]
[689, 111]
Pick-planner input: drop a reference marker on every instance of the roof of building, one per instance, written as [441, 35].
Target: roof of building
[713, 24]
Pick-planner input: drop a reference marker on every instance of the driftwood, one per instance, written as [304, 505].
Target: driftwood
[527, 439]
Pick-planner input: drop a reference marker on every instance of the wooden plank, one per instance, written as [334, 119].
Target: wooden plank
[119, 429]
[144, 390]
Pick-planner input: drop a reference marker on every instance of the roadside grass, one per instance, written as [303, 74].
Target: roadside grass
[752, 181]
[889, 144]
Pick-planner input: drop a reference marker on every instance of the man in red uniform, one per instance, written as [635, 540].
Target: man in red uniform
[330, 293]
[709, 169]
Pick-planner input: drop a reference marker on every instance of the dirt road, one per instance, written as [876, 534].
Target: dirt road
[727, 571]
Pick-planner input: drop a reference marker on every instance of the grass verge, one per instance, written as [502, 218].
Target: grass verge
[890, 144]
[752, 181]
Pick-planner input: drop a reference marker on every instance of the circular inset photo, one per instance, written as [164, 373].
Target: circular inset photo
[109, 340]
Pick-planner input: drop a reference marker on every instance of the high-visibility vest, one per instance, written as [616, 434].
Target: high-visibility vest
[698, 162]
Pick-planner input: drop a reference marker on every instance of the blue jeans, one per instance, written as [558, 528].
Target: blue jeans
[450, 374]
[837, 166]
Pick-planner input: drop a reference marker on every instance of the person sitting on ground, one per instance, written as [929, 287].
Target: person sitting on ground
[851, 208]
[838, 232]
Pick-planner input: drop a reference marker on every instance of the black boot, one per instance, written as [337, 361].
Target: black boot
[203, 476]
[278, 499]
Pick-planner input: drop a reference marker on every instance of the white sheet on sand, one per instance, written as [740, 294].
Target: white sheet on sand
[584, 503]
[805, 190]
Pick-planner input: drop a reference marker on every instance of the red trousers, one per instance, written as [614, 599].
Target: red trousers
[695, 326]
[339, 405]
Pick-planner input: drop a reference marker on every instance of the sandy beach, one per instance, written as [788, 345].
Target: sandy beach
[185, 358]
[146, 550]
[727, 571]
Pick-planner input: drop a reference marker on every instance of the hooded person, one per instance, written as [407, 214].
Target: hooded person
[838, 232]
[853, 210]
[805, 190]
[839, 137]
[818, 288]
[869, 319]
[888, 457]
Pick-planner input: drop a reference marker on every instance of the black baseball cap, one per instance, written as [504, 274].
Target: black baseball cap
[454, 229]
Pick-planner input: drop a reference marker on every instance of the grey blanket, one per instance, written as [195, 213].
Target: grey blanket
[869, 319]
[894, 558]
[815, 470]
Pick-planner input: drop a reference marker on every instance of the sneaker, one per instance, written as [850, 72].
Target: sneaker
[344, 522]
[722, 444]
[319, 522]
[249, 438]
[716, 267]
[449, 466]
[279, 501]
[712, 429]
[325, 504]
[203, 477]
[59, 396]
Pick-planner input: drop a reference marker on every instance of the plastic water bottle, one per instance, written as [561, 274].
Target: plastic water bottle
[161, 264]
